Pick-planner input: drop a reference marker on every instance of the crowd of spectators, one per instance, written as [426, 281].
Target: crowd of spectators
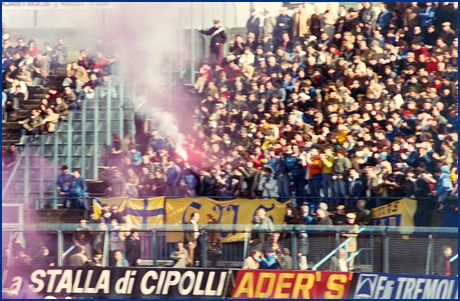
[25, 66]
[347, 105]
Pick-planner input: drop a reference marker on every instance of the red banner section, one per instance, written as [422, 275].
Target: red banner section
[280, 284]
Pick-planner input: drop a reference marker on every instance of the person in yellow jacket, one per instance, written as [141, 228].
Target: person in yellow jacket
[327, 166]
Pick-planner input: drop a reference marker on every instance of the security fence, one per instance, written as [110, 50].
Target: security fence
[407, 250]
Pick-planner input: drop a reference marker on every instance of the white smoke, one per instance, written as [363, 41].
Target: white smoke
[143, 55]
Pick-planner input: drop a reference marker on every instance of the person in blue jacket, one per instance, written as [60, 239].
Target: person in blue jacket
[135, 155]
[63, 183]
[443, 185]
[427, 16]
[355, 188]
[173, 176]
[295, 167]
[269, 262]
[78, 191]
[383, 20]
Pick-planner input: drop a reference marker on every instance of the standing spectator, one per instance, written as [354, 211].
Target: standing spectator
[78, 259]
[322, 218]
[283, 24]
[411, 18]
[447, 34]
[63, 183]
[173, 176]
[365, 17]
[383, 19]
[133, 248]
[268, 184]
[352, 246]
[135, 155]
[340, 218]
[329, 18]
[83, 237]
[251, 263]
[342, 165]
[116, 240]
[253, 24]
[60, 53]
[443, 185]
[96, 261]
[442, 266]
[269, 25]
[218, 39]
[156, 142]
[363, 216]
[78, 192]
[180, 256]
[10, 158]
[355, 188]
[116, 185]
[303, 244]
[76, 76]
[269, 261]
[327, 165]
[301, 21]
[191, 239]
[257, 238]
[422, 192]
[427, 17]
[43, 259]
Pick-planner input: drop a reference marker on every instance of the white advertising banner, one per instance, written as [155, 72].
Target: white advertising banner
[54, 5]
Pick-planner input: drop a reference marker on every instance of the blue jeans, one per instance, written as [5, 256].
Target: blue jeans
[284, 183]
[314, 185]
[327, 185]
[339, 189]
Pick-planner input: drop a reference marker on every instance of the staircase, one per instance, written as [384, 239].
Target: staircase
[80, 142]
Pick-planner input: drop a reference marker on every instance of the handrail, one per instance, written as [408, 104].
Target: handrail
[332, 253]
[355, 254]
[454, 258]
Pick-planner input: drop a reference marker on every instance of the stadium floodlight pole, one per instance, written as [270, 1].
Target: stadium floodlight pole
[192, 47]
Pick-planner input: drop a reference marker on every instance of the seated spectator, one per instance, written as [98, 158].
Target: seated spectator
[61, 108]
[135, 155]
[97, 259]
[251, 262]
[76, 77]
[363, 216]
[43, 259]
[339, 263]
[50, 121]
[269, 260]
[116, 185]
[40, 68]
[31, 126]
[32, 49]
[284, 259]
[179, 256]
[22, 259]
[120, 261]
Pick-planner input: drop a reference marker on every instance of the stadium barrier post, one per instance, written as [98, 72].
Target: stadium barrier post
[106, 253]
[192, 47]
[55, 164]
[27, 173]
[371, 254]
[60, 248]
[96, 135]
[83, 139]
[42, 167]
[69, 139]
[10, 246]
[203, 257]
[246, 245]
[154, 247]
[121, 99]
[385, 256]
[429, 254]
[108, 98]
[294, 249]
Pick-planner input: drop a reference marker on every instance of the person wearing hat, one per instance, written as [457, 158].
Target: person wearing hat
[96, 261]
[447, 34]
[252, 41]
[283, 24]
[352, 246]
[269, 24]
[253, 24]
[218, 39]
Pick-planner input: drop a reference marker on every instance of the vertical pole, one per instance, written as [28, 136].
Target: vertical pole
[337, 239]
[203, 257]
[69, 141]
[27, 173]
[109, 111]
[60, 248]
[96, 134]
[42, 167]
[246, 245]
[35, 19]
[154, 247]
[294, 249]
[55, 163]
[83, 139]
[106, 253]
[429, 254]
[10, 246]
[192, 47]
[121, 98]
[385, 252]
[372, 250]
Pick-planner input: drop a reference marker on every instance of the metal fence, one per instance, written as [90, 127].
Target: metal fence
[407, 250]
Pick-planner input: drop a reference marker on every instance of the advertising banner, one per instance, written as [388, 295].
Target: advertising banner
[120, 283]
[240, 211]
[137, 211]
[279, 284]
[54, 5]
[400, 286]
[395, 214]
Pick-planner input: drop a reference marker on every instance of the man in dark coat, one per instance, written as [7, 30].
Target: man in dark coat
[283, 24]
[218, 39]
[422, 192]
[365, 17]
[133, 248]
[253, 24]
[442, 266]
[191, 239]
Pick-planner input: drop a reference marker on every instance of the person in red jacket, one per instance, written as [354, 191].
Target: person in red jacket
[418, 49]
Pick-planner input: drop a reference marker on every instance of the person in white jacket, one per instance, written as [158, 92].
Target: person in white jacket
[268, 183]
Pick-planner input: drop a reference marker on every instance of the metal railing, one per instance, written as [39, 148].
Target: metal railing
[158, 242]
